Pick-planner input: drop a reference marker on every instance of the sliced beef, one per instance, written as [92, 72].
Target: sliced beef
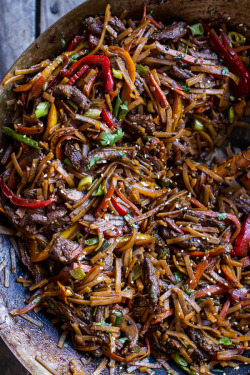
[117, 24]
[99, 314]
[139, 83]
[34, 268]
[68, 315]
[140, 124]
[85, 313]
[70, 195]
[46, 219]
[130, 329]
[206, 345]
[94, 25]
[74, 94]
[172, 32]
[180, 73]
[74, 154]
[107, 154]
[63, 250]
[198, 356]
[151, 281]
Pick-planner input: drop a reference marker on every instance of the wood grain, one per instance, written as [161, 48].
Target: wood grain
[17, 30]
[51, 10]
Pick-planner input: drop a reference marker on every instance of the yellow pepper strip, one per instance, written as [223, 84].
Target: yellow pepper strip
[141, 239]
[52, 120]
[177, 109]
[130, 66]
[71, 231]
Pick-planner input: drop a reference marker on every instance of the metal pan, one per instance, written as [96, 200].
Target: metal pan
[27, 340]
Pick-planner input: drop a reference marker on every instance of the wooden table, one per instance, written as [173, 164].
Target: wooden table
[21, 21]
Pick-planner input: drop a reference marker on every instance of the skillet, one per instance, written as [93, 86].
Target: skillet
[28, 341]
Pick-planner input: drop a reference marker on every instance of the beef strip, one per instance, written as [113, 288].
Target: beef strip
[139, 83]
[62, 250]
[74, 94]
[34, 268]
[71, 195]
[85, 313]
[130, 329]
[171, 32]
[99, 314]
[150, 281]
[180, 73]
[74, 155]
[45, 219]
[117, 24]
[107, 154]
[204, 343]
[68, 315]
[140, 124]
[94, 25]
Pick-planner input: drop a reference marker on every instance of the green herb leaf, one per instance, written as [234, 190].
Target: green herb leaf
[42, 109]
[162, 255]
[212, 11]
[189, 292]
[93, 161]
[225, 341]
[228, 168]
[142, 70]
[123, 111]
[91, 241]
[123, 339]
[183, 85]
[179, 360]
[122, 154]
[197, 29]
[117, 102]
[51, 305]
[197, 125]
[180, 56]
[78, 273]
[224, 71]
[137, 350]
[36, 300]
[68, 162]
[178, 277]
[119, 320]
[63, 43]
[110, 139]
[6, 207]
[221, 215]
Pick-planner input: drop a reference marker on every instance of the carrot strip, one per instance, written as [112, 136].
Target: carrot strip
[104, 203]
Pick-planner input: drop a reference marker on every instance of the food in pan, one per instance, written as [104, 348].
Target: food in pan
[131, 208]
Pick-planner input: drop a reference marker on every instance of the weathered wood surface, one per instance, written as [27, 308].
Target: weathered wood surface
[21, 21]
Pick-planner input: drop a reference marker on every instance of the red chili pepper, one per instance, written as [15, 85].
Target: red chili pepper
[30, 203]
[238, 295]
[109, 118]
[77, 75]
[119, 208]
[36, 88]
[75, 42]
[95, 60]
[160, 96]
[231, 60]
[93, 41]
[242, 242]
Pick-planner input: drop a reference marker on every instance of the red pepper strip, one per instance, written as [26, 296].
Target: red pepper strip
[37, 127]
[211, 291]
[36, 88]
[225, 308]
[231, 60]
[196, 203]
[75, 42]
[119, 208]
[198, 272]
[241, 246]
[241, 48]
[229, 275]
[105, 201]
[89, 85]
[245, 303]
[77, 75]
[229, 217]
[127, 201]
[144, 13]
[23, 310]
[160, 96]
[154, 22]
[108, 118]
[238, 295]
[163, 316]
[31, 203]
[173, 225]
[95, 60]
[116, 357]
[93, 41]
[84, 267]
[245, 262]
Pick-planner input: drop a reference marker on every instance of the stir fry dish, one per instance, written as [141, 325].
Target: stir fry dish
[131, 209]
